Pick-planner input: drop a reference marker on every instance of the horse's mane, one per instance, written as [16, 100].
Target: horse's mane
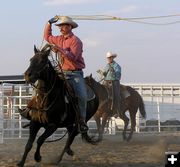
[97, 87]
[93, 80]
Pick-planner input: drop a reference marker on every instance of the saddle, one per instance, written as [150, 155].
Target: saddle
[124, 92]
[90, 94]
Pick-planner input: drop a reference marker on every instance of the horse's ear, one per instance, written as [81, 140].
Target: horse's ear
[46, 49]
[35, 49]
[90, 75]
[47, 52]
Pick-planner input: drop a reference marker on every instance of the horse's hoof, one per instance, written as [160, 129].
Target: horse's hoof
[124, 138]
[20, 164]
[128, 139]
[59, 160]
[37, 158]
[70, 152]
[100, 138]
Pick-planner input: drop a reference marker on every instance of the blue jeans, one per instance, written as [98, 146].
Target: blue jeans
[76, 80]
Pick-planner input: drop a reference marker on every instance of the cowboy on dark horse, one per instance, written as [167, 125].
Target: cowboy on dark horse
[69, 49]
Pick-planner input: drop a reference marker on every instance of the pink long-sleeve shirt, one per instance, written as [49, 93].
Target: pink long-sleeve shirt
[72, 48]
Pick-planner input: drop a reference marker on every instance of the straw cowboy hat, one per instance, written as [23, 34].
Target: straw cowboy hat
[67, 20]
[110, 54]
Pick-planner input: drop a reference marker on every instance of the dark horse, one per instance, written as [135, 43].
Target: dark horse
[131, 103]
[59, 113]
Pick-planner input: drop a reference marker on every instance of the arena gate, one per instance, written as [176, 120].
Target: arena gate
[162, 103]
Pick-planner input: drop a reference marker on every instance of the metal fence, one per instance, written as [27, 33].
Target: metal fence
[162, 106]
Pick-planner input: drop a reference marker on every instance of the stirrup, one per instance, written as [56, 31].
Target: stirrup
[83, 128]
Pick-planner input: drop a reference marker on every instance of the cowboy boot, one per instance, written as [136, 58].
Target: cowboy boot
[83, 128]
[25, 113]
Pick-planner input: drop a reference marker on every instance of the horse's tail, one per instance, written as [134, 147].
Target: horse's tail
[142, 107]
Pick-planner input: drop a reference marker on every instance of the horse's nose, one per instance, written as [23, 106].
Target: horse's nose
[27, 75]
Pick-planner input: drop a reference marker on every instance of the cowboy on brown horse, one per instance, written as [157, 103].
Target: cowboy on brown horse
[112, 76]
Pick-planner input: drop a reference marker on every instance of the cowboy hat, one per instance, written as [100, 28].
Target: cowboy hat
[110, 54]
[67, 20]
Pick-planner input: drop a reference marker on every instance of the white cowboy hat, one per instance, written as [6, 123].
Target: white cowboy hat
[110, 54]
[67, 20]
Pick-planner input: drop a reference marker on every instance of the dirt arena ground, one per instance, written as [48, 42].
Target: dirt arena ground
[144, 150]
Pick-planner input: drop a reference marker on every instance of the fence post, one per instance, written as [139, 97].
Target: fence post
[158, 112]
[113, 126]
[1, 114]
[137, 122]
[20, 106]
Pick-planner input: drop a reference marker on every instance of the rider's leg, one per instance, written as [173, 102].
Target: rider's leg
[82, 102]
[79, 87]
[116, 99]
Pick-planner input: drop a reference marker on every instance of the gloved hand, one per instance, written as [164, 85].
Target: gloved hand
[54, 19]
[99, 71]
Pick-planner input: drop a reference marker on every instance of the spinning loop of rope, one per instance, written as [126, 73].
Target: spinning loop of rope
[133, 19]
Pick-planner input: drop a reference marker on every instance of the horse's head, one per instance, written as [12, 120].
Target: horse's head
[89, 80]
[38, 64]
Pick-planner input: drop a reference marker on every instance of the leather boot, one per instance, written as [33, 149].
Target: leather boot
[83, 128]
[25, 113]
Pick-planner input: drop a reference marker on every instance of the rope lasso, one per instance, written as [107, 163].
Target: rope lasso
[131, 19]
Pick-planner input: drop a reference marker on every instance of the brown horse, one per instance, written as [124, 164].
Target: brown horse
[132, 103]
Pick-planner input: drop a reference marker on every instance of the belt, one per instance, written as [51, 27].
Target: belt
[72, 70]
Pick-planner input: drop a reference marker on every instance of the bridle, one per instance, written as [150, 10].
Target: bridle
[45, 94]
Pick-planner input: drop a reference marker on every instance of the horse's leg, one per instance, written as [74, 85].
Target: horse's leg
[133, 122]
[103, 124]
[72, 132]
[97, 118]
[50, 129]
[71, 139]
[33, 130]
[126, 122]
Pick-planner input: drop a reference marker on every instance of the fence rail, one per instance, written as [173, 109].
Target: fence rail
[163, 112]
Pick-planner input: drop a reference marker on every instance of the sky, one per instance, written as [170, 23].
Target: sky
[146, 53]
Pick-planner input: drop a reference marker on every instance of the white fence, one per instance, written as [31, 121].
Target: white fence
[162, 103]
